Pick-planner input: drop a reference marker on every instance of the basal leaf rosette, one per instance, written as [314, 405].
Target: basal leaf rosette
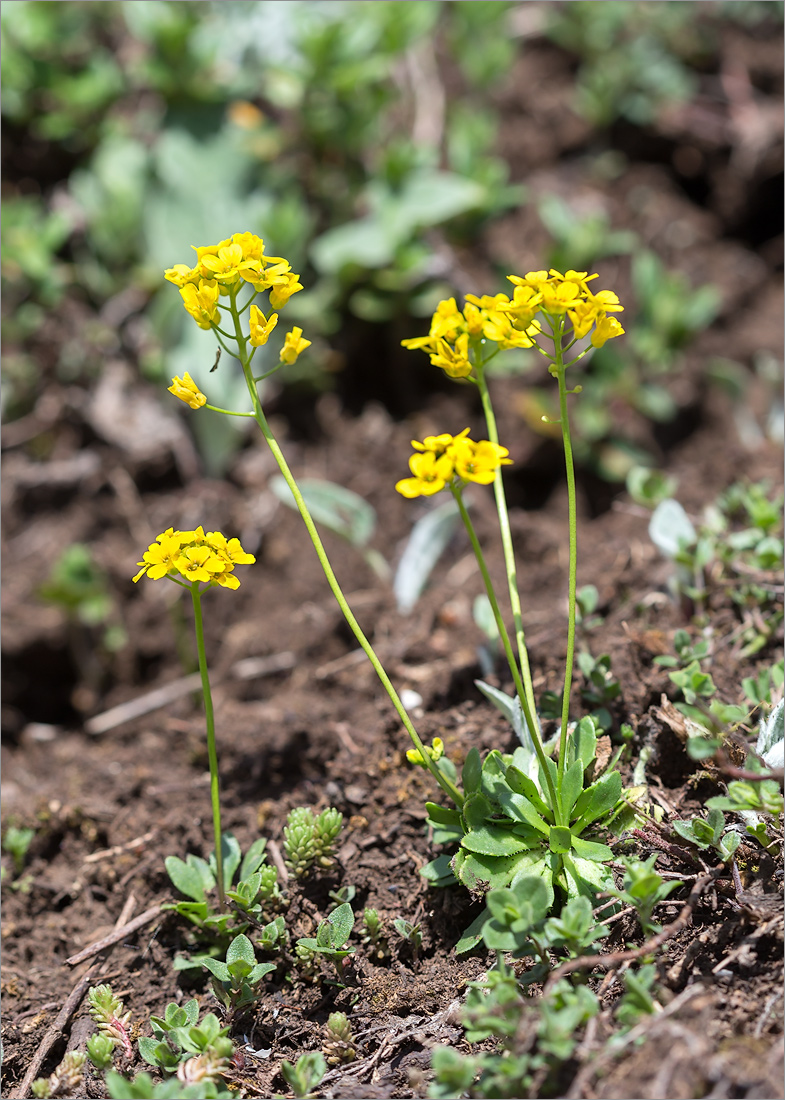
[194, 557]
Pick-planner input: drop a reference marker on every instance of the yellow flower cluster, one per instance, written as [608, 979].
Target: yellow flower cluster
[441, 458]
[187, 390]
[194, 556]
[223, 266]
[436, 752]
[512, 323]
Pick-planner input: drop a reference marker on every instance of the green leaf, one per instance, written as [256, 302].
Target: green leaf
[192, 878]
[254, 858]
[438, 872]
[583, 742]
[559, 839]
[493, 840]
[473, 934]
[333, 506]
[481, 872]
[522, 784]
[518, 807]
[259, 971]
[425, 546]
[240, 950]
[476, 810]
[342, 922]
[571, 787]
[219, 969]
[442, 815]
[670, 528]
[597, 800]
[472, 771]
[230, 853]
[591, 850]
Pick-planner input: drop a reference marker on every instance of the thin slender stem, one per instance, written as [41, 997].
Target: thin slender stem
[446, 784]
[505, 637]
[509, 554]
[564, 419]
[215, 796]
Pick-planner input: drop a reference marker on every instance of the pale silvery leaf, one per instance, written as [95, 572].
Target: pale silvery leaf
[670, 528]
[426, 544]
[771, 745]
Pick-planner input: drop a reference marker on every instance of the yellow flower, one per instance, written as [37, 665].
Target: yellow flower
[201, 302]
[558, 297]
[431, 474]
[293, 345]
[448, 321]
[606, 300]
[186, 389]
[283, 288]
[439, 443]
[478, 461]
[435, 751]
[261, 326]
[607, 328]
[583, 317]
[181, 274]
[499, 328]
[453, 361]
[160, 558]
[525, 304]
[195, 556]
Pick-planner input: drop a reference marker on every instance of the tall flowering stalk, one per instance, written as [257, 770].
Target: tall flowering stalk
[223, 275]
[198, 561]
[551, 312]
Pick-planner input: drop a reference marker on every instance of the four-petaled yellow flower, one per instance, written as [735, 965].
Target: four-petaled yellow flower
[195, 557]
[293, 345]
[187, 390]
[443, 459]
[261, 326]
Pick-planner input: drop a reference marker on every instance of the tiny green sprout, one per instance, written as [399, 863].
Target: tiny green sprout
[100, 1049]
[575, 930]
[709, 833]
[649, 487]
[600, 688]
[112, 1021]
[339, 1044]
[637, 1000]
[274, 935]
[142, 1087]
[66, 1079]
[236, 981]
[409, 933]
[586, 602]
[308, 839]
[16, 842]
[198, 1051]
[643, 889]
[304, 1077]
[331, 935]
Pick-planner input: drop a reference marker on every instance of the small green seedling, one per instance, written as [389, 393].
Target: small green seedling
[709, 833]
[331, 935]
[110, 1017]
[587, 600]
[273, 936]
[66, 1080]
[643, 889]
[180, 1038]
[637, 1000]
[236, 981]
[339, 1045]
[409, 933]
[308, 839]
[601, 688]
[16, 842]
[100, 1051]
[304, 1077]
[142, 1087]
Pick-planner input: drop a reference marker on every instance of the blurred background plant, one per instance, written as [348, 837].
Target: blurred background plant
[361, 141]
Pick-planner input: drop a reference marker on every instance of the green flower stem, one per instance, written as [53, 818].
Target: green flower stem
[215, 797]
[564, 420]
[509, 554]
[447, 786]
[457, 492]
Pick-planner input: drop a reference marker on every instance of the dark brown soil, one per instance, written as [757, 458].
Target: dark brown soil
[312, 727]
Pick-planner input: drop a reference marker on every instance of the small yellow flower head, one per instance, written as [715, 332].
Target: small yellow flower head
[479, 461]
[435, 751]
[283, 288]
[195, 557]
[186, 389]
[431, 473]
[454, 361]
[201, 301]
[448, 322]
[293, 345]
[607, 328]
[443, 458]
[181, 274]
[261, 326]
